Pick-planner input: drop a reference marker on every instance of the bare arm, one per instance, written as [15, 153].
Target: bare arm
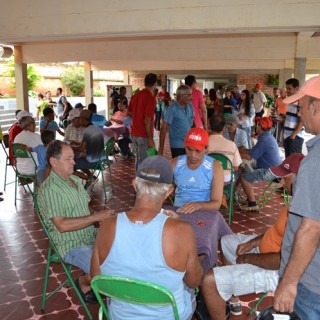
[149, 132]
[216, 193]
[307, 236]
[71, 224]
[163, 132]
[194, 271]
[204, 116]
[270, 261]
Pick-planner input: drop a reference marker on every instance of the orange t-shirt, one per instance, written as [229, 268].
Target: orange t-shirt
[281, 106]
[272, 239]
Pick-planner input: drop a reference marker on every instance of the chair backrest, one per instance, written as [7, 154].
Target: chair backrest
[21, 152]
[132, 291]
[108, 148]
[224, 160]
[6, 140]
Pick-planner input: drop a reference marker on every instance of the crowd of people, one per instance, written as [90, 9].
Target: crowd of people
[284, 259]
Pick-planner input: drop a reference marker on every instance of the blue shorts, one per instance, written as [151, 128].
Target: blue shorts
[258, 175]
[307, 303]
[80, 257]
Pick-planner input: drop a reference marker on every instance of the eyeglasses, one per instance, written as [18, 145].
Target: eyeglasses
[230, 123]
[187, 94]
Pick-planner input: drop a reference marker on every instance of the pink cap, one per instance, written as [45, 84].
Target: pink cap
[309, 88]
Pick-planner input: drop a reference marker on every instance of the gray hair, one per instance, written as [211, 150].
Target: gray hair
[182, 90]
[25, 121]
[156, 190]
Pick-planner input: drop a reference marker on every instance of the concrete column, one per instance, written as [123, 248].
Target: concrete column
[125, 76]
[88, 80]
[21, 80]
[287, 74]
[300, 67]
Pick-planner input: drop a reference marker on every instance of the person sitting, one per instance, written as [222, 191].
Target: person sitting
[266, 154]
[47, 122]
[219, 144]
[117, 127]
[74, 131]
[235, 134]
[43, 170]
[64, 205]
[98, 120]
[90, 148]
[29, 138]
[198, 177]
[250, 262]
[14, 130]
[170, 259]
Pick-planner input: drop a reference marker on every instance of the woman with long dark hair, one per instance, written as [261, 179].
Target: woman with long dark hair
[246, 114]
[212, 103]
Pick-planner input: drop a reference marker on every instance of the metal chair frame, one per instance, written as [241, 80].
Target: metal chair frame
[20, 152]
[53, 256]
[228, 189]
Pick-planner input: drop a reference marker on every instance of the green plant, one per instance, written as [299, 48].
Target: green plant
[33, 77]
[273, 79]
[135, 91]
[98, 93]
[270, 100]
[73, 78]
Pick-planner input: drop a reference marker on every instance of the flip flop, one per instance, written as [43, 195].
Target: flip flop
[88, 297]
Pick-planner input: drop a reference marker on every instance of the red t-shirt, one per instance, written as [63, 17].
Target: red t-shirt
[13, 132]
[142, 105]
[166, 97]
[197, 100]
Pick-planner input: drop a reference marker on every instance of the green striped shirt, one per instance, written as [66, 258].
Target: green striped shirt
[57, 198]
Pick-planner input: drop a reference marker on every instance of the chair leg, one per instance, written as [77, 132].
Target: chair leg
[70, 280]
[111, 181]
[46, 279]
[254, 308]
[266, 196]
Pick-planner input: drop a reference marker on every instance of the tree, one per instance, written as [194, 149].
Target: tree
[33, 77]
[73, 78]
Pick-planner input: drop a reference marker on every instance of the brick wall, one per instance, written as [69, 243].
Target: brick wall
[250, 80]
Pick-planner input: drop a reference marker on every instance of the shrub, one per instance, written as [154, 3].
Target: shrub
[73, 78]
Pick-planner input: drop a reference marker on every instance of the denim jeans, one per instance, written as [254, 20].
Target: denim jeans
[140, 146]
[80, 257]
[307, 304]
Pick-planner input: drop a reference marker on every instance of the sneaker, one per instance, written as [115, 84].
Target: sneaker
[91, 182]
[235, 308]
[252, 208]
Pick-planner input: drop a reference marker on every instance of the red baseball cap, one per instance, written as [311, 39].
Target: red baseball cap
[289, 165]
[259, 85]
[309, 88]
[197, 138]
[265, 122]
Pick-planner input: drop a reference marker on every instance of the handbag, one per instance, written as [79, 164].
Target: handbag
[269, 314]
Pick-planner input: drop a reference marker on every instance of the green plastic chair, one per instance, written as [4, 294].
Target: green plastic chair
[228, 189]
[5, 146]
[20, 152]
[103, 164]
[131, 291]
[53, 257]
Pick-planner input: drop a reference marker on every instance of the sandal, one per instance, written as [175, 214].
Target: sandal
[88, 297]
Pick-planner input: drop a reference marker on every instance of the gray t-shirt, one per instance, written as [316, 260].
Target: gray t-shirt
[305, 203]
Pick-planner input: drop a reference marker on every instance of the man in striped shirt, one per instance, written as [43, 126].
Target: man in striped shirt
[293, 127]
[64, 205]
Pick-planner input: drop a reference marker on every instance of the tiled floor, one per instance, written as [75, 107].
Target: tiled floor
[23, 249]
